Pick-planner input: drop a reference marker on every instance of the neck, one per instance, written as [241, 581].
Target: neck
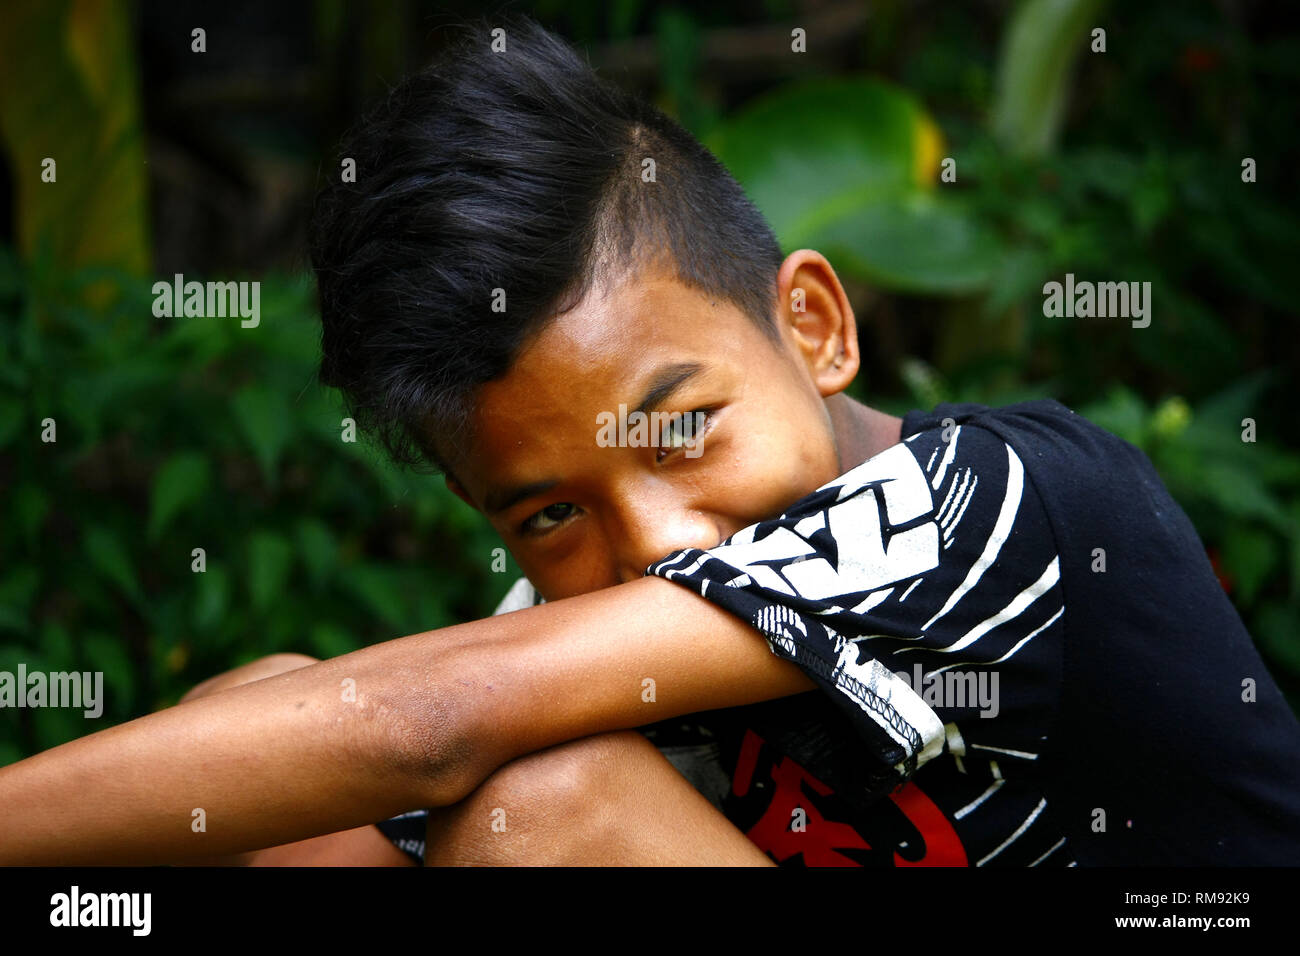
[860, 432]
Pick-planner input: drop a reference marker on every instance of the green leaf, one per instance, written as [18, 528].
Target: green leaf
[182, 481]
[269, 560]
[58, 725]
[1239, 493]
[377, 589]
[1239, 400]
[263, 415]
[56, 642]
[1293, 545]
[678, 42]
[861, 187]
[12, 620]
[1017, 276]
[329, 640]
[17, 591]
[1276, 631]
[83, 112]
[926, 385]
[1042, 43]
[11, 419]
[9, 753]
[31, 505]
[1249, 556]
[913, 243]
[108, 654]
[433, 613]
[318, 549]
[1122, 413]
[11, 655]
[212, 599]
[1108, 171]
[111, 559]
[811, 151]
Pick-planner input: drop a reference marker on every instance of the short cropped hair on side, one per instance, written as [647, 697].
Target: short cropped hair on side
[519, 171]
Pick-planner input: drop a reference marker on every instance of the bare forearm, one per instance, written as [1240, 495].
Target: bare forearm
[312, 751]
[609, 660]
[414, 722]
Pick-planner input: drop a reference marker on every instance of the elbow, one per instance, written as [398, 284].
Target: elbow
[429, 737]
[437, 754]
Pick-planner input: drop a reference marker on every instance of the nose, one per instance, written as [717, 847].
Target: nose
[654, 524]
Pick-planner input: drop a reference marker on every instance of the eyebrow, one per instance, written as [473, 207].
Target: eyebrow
[666, 380]
[499, 500]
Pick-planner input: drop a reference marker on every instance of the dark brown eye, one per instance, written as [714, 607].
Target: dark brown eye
[549, 517]
[683, 431]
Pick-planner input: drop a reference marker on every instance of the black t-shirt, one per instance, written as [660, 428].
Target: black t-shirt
[1023, 656]
[1078, 687]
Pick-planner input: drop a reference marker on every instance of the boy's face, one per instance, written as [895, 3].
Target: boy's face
[578, 515]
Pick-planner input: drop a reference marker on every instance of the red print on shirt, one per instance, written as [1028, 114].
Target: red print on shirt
[820, 840]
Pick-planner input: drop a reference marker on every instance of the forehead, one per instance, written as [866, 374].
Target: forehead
[597, 355]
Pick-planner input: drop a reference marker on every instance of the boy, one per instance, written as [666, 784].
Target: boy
[952, 678]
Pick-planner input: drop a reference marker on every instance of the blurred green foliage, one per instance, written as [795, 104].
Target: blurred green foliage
[84, 114]
[862, 189]
[176, 434]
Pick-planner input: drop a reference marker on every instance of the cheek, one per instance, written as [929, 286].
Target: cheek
[802, 435]
[801, 446]
[584, 567]
[766, 475]
[810, 464]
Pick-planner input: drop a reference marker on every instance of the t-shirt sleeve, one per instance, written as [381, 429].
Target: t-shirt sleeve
[521, 595]
[905, 589]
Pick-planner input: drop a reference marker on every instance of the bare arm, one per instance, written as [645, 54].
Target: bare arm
[433, 714]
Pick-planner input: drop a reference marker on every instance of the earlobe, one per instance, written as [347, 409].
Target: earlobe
[816, 312]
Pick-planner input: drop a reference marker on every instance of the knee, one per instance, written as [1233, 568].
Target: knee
[540, 808]
[267, 666]
[566, 776]
[279, 663]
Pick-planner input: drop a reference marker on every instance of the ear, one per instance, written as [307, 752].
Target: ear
[817, 321]
[458, 490]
